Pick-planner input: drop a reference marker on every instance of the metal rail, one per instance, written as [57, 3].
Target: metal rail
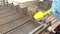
[36, 29]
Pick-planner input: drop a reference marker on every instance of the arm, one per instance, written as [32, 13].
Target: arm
[56, 8]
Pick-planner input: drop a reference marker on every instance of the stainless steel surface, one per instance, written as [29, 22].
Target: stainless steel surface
[25, 29]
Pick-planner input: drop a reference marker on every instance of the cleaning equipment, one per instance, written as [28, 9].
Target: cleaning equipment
[40, 15]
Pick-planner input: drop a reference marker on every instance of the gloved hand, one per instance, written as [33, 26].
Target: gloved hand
[56, 8]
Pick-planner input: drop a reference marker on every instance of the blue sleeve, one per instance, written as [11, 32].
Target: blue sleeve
[56, 7]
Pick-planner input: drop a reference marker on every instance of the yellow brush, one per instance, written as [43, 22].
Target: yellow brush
[40, 15]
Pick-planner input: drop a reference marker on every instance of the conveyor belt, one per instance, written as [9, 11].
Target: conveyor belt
[11, 25]
[26, 28]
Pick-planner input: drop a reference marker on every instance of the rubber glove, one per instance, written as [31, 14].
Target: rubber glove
[56, 8]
